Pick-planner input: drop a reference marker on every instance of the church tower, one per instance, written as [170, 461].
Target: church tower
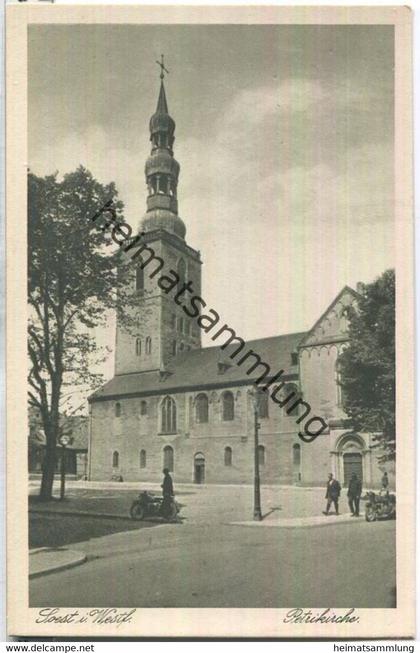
[163, 329]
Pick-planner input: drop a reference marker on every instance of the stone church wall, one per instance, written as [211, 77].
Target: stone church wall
[132, 432]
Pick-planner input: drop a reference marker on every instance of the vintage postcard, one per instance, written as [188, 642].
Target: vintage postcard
[210, 322]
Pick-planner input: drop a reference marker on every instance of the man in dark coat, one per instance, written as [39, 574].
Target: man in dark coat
[332, 495]
[167, 492]
[353, 494]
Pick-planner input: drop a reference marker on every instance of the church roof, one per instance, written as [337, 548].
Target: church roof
[205, 368]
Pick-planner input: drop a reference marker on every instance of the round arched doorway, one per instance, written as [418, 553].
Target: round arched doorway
[352, 464]
[351, 450]
[199, 468]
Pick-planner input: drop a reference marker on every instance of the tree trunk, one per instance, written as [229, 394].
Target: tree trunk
[48, 469]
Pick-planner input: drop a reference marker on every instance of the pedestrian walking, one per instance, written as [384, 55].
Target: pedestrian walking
[385, 481]
[167, 492]
[332, 495]
[353, 494]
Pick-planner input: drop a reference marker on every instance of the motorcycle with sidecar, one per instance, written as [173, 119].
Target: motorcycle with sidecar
[148, 504]
[380, 506]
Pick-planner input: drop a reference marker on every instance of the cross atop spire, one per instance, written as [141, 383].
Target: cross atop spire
[163, 70]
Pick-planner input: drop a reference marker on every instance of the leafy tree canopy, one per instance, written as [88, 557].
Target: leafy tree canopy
[367, 366]
[73, 281]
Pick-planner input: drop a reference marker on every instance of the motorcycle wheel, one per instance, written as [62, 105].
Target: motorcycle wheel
[137, 512]
[370, 515]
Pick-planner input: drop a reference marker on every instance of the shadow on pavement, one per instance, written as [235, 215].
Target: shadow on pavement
[270, 512]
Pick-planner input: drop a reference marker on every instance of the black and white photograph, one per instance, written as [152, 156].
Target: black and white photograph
[213, 244]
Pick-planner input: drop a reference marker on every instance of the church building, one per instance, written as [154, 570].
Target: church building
[173, 403]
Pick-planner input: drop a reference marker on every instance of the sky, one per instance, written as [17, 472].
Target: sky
[284, 135]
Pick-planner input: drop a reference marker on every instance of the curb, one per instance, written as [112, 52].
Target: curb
[95, 515]
[81, 513]
[79, 560]
[298, 524]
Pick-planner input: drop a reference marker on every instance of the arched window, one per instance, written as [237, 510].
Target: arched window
[228, 410]
[163, 185]
[168, 458]
[228, 457]
[291, 392]
[261, 454]
[296, 455]
[139, 276]
[148, 345]
[138, 346]
[143, 407]
[202, 408]
[118, 409]
[173, 347]
[344, 320]
[297, 475]
[143, 458]
[115, 459]
[182, 271]
[339, 381]
[262, 404]
[168, 415]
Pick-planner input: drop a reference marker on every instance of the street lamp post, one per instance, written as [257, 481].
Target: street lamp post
[257, 492]
[64, 441]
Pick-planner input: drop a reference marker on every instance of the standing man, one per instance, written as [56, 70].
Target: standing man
[332, 495]
[385, 481]
[353, 494]
[167, 492]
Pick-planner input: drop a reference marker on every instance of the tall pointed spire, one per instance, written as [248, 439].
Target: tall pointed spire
[162, 105]
[162, 170]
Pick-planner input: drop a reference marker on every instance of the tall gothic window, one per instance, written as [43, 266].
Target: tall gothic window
[202, 408]
[139, 276]
[168, 458]
[291, 391]
[143, 407]
[182, 271]
[148, 345]
[118, 409]
[344, 320]
[168, 415]
[296, 455]
[262, 404]
[138, 346]
[339, 381]
[174, 347]
[228, 457]
[143, 458]
[115, 459]
[228, 407]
